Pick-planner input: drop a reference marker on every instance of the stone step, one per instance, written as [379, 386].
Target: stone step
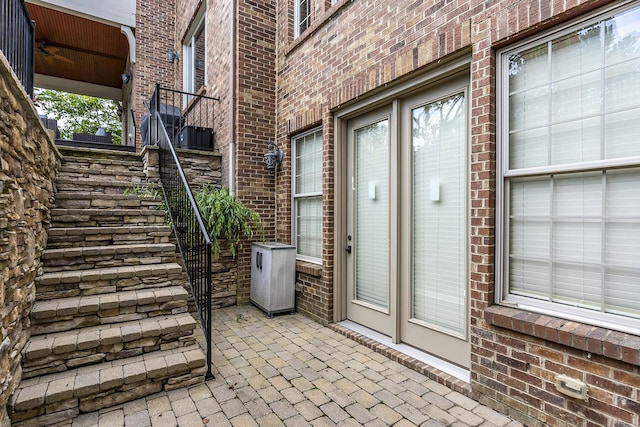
[65, 314]
[104, 186]
[93, 155]
[61, 284]
[123, 173]
[57, 398]
[93, 257]
[92, 200]
[68, 237]
[104, 175]
[61, 218]
[58, 352]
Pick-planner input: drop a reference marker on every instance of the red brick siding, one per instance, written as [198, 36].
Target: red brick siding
[217, 28]
[256, 123]
[154, 34]
[355, 48]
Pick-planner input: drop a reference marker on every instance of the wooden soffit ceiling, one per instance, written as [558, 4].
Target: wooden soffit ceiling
[78, 49]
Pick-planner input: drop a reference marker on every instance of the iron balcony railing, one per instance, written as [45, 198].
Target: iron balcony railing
[17, 40]
[166, 124]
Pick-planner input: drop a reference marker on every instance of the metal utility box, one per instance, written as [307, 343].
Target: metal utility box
[273, 277]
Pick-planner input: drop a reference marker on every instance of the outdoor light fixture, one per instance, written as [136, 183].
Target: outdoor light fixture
[173, 56]
[126, 77]
[273, 157]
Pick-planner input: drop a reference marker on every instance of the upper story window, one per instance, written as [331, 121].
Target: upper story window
[195, 56]
[302, 16]
[307, 195]
[569, 172]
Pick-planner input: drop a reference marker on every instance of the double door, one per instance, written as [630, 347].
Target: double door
[406, 221]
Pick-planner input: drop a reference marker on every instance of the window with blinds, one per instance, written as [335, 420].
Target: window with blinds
[439, 136]
[372, 200]
[570, 168]
[307, 195]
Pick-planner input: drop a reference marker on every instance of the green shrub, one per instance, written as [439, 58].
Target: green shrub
[227, 219]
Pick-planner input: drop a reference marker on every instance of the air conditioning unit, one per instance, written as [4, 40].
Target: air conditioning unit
[196, 138]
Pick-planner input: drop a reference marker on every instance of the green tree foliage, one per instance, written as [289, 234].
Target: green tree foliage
[80, 113]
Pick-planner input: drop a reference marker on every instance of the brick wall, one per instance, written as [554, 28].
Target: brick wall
[256, 97]
[155, 28]
[28, 166]
[357, 48]
[255, 102]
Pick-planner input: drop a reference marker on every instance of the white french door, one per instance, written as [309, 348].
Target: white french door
[371, 289]
[407, 220]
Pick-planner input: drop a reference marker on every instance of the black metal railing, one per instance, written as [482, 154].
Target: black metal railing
[17, 40]
[188, 118]
[193, 239]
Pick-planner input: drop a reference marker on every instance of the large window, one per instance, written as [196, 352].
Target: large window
[302, 16]
[195, 56]
[307, 195]
[569, 172]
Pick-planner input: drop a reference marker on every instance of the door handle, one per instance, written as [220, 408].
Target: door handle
[347, 249]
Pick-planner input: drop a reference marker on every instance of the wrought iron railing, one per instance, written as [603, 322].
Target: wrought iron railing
[193, 239]
[188, 118]
[17, 40]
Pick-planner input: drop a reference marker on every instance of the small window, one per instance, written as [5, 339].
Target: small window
[195, 58]
[569, 172]
[302, 16]
[307, 195]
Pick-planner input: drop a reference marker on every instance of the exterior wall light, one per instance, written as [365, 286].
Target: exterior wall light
[273, 157]
[173, 56]
[126, 77]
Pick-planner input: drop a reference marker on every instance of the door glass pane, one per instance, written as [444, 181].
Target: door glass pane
[439, 176]
[372, 214]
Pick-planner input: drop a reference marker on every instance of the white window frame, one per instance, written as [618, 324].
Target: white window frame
[189, 59]
[301, 196]
[298, 19]
[504, 174]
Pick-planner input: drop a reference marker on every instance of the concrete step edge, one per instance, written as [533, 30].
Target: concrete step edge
[90, 304]
[83, 385]
[104, 212]
[89, 231]
[43, 346]
[108, 273]
[85, 251]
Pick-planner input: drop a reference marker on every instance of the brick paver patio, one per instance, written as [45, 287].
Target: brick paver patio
[292, 371]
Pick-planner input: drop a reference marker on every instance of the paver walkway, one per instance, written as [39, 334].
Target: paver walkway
[291, 371]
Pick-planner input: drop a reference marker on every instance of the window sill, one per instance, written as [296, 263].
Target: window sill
[309, 268]
[592, 339]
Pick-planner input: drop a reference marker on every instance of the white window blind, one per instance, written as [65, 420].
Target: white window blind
[439, 243]
[372, 199]
[308, 195]
[573, 234]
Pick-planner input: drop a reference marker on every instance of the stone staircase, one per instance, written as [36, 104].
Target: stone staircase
[110, 322]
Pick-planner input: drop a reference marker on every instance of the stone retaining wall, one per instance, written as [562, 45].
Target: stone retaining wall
[202, 167]
[29, 162]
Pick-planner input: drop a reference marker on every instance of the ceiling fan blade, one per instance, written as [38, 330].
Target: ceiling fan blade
[61, 58]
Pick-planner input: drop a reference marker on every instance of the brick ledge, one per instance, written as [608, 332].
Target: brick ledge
[309, 268]
[596, 340]
[437, 375]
